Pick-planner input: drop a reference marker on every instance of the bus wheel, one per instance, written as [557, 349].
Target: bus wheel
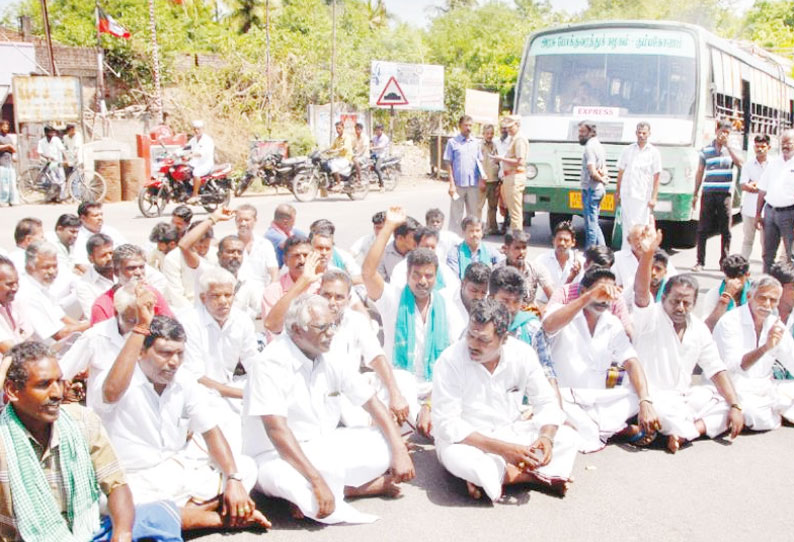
[680, 234]
[556, 218]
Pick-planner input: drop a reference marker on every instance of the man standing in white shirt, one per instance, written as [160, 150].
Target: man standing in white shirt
[775, 211]
[670, 342]
[73, 148]
[51, 150]
[148, 407]
[291, 416]
[592, 355]
[639, 168]
[202, 157]
[482, 435]
[751, 339]
[221, 347]
[748, 182]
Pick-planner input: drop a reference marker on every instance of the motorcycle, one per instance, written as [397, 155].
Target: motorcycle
[390, 170]
[272, 169]
[173, 182]
[308, 181]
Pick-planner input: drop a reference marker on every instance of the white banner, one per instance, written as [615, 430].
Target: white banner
[406, 86]
[46, 99]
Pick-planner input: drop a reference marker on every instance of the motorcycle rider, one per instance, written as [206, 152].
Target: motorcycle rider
[380, 151]
[340, 153]
[202, 157]
[360, 148]
[51, 149]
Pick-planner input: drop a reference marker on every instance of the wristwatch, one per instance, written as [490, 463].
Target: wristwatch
[234, 476]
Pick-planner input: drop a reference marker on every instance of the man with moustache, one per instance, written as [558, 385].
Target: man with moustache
[535, 277]
[594, 179]
[260, 264]
[751, 339]
[775, 211]
[417, 321]
[425, 237]
[471, 249]
[671, 341]
[291, 416]
[15, 326]
[514, 168]
[592, 354]
[481, 433]
[56, 460]
[463, 156]
[489, 186]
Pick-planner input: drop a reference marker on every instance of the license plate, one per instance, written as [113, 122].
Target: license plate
[575, 201]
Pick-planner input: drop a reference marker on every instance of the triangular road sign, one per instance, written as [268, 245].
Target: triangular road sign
[392, 94]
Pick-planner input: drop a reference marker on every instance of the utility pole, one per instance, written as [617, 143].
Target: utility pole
[100, 60]
[267, 66]
[333, 71]
[158, 100]
[46, 18]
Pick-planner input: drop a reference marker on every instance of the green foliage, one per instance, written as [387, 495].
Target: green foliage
[770, 23]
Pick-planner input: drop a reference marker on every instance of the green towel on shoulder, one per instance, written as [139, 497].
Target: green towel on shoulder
[436, 340]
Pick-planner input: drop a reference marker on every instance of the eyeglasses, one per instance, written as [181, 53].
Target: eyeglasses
[324, 328]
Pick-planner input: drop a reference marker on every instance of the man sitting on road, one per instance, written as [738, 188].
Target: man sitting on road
[148, 407]
[282, 228]
[472, 249]
[92, 221]
[445, 278]
[751, 338]
[292, 412]
[15, 326]
[418, 322]
[732, 291]
[260, 265]
[164, 236]
[434, 219]
[515, 251]
[591, 354]
[56, 461]
[183, 267]
[562, 264]
[362, 245]
[481, 433]
[670, 342]
[321, 234]
[64, 237]
[627, 260]
[403, 242]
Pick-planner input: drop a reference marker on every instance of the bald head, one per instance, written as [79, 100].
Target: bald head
[284, 216]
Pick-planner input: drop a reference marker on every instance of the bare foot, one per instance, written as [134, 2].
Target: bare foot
[673, 443]
[258, 519]
[385, 486]
[295, 512]
[474, 491]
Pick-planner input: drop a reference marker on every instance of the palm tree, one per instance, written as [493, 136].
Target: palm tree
[376, 13]
[248, 14]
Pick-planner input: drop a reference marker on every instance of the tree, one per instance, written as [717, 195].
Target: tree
[770, 24]
[248, 14]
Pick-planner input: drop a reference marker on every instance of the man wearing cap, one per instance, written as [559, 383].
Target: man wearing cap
[202, 160]
[515, 173]
[594, 179]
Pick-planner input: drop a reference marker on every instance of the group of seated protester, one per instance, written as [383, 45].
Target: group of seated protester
[149, 390]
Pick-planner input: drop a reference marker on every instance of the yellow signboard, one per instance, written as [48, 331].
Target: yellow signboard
[46, 99]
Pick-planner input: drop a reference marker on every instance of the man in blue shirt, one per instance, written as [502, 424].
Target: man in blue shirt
[282, 228]
[715, 173]
[463, 156]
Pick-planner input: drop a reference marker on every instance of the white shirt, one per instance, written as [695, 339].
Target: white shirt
[65, 254]
[668, 362]
[43, 312]
[182, 280]
[735, 337]
[21, 329]
[17, 257]
[399, 275]
[258, 262]
[307, 393]
[73, 146]
[625, 270]
[446, 240]
[388, 305]
[355, 340]
[581, 360]
[215, 351]
[639, 165]
[52, 149]
[205, 149]
[90, 286]
[146, 428]
[468, 399]
[556, 274]
[361, 247]
[95, 350]
[778, 182]
[79, 252]
[752, 170]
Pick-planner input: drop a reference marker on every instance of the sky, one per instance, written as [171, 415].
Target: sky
[417, 12]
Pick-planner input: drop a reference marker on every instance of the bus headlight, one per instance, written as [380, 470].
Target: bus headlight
[664, 206]
[665, 177]
[530, 199]
[532, 171]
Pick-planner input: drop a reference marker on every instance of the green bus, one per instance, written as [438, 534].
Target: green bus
[678, 77]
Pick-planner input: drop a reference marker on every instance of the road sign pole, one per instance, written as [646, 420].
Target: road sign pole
[391, 123]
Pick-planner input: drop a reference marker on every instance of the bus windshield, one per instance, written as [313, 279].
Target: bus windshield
[632, 72]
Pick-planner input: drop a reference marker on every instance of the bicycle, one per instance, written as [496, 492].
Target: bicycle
[38, 184]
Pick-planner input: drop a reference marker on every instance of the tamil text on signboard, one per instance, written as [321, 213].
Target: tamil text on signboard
[47, 99]
[406, 86]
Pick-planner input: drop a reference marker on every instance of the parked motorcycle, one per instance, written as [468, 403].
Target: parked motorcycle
[273, 170]
[390, 170]
[173, 182]
[308, 181]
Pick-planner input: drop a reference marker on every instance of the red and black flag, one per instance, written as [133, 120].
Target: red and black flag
[108, 25]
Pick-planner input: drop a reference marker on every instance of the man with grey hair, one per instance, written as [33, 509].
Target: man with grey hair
[291, 412]
[775, 212]
[594, 179]
[751, 338]
[221, 347]
[45, 314]
[639, 169]
[129, 264]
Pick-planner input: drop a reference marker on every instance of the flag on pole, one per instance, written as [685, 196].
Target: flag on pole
[108, 25]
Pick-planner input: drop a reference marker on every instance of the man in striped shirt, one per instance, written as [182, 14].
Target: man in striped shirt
[715, 174]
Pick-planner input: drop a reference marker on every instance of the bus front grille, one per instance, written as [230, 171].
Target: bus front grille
[572, 169]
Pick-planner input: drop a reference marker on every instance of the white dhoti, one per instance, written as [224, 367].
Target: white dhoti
[765, 401]
[356, 416]
[338, 165]
[202, 170]
[184, 476]
[487, 470]
[633, 211]
[347, 457]
[597, 414]
[679, 411]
